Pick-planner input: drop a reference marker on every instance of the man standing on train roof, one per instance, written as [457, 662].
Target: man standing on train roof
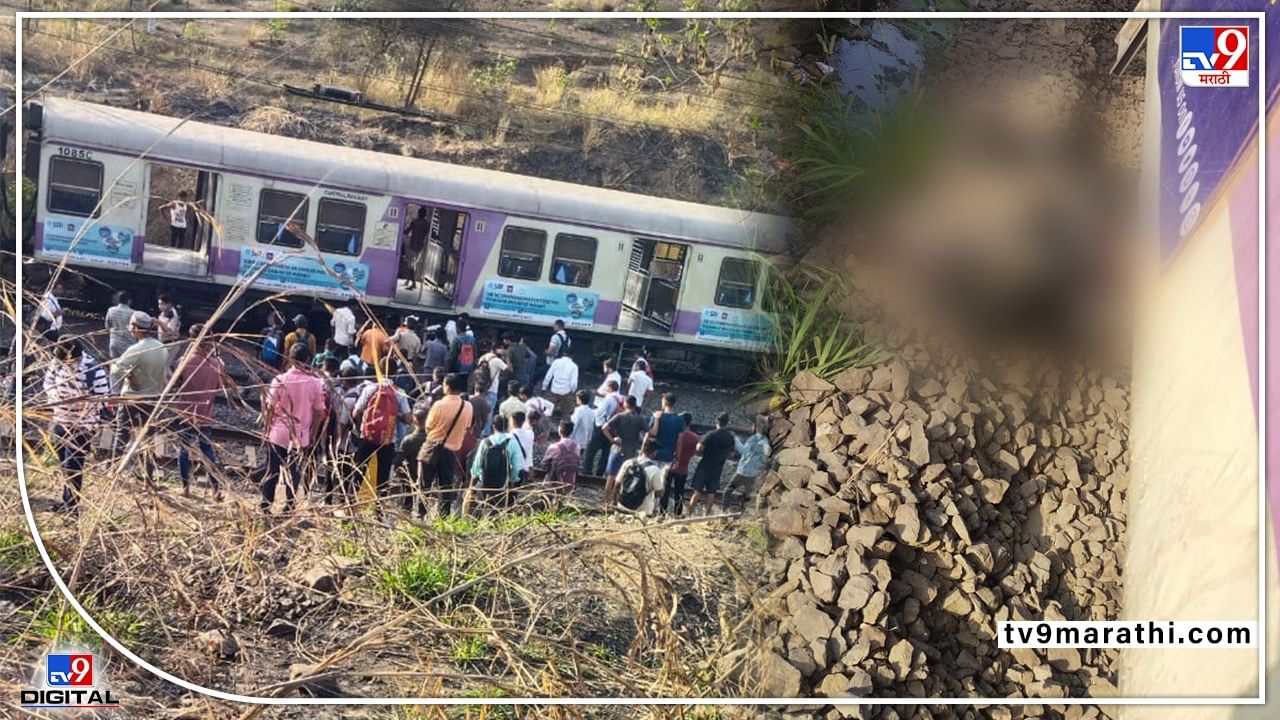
[178, 218]
[416, 233]
[344, 327]
[117, 324]
[562, 382]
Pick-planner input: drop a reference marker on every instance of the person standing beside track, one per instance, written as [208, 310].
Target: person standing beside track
[562, 382]
[140, 374]
[448, 423]
[344, 327]
[294, 412]
[73, 391]
[378, 412]
[117, 324]
[200, 376]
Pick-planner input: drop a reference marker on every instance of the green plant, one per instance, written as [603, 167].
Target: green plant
[192, 32]
[496, 76]
[471, 650]
[425, 574]
[808, 327]
[61, 623]
[17, 552]
[276, 28]
[836, 155]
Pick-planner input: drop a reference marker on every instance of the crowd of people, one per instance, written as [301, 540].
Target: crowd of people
[429, 418]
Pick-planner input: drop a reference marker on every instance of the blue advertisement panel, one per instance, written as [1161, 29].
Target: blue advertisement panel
[287, 271]
[744, 328]
[100, 244]
[539, 304]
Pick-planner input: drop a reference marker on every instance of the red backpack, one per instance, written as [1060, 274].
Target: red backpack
[379, 423]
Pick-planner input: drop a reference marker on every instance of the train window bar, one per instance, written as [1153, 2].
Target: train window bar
[573, 260]
[340, 226]
[276, 211]
[736, 286]
[522, 251]
[75, 186]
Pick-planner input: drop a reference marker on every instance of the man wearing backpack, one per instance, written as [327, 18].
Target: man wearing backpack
[624, 432]
[294, 413]
[488, 374]
[496, 465]
[377, 412]
[448, 423]
[462, 348]
[641, 481]
[301, 333]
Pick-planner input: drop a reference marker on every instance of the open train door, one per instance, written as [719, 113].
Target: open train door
[651, 295]
[431, 255]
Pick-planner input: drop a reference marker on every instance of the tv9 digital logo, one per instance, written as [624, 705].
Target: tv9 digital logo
[69, 670]
[1214, 56]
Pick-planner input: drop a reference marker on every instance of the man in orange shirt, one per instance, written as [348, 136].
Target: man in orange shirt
[447, 426]
[374, 342]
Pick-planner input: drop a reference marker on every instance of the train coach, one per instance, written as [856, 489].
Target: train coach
[320, 222]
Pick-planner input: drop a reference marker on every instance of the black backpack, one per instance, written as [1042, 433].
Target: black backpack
[564, 343]
[635, 485]
[493, 469]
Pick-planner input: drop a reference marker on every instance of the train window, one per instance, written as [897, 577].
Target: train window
[340, 226]
[275, 209]
[75, 186]
[737, 284]
[522, 251]
[573, 260]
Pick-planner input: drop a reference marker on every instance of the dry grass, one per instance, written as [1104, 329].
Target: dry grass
[277, 121]
[681, 114]
[550, 84]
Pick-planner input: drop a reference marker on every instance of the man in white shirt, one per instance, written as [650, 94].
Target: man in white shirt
[584, 420]
[344, 327]
[610, 373]
[645, 504]
[561, 383]
[178, 219]
[50, 323]
[639, 385]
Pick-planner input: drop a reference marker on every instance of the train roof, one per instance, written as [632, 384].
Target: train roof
[233, 149]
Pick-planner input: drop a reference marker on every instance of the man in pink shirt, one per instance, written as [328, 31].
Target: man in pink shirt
[201, 375]
[294, 415]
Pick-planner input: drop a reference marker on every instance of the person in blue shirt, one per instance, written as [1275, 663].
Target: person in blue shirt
[753, 456]
[491, 485]
[665, 429]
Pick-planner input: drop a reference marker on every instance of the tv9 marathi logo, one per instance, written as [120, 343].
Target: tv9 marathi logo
[1214, 56]
[69, 683]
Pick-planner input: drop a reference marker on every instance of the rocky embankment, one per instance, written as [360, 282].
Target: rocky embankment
[909, 514]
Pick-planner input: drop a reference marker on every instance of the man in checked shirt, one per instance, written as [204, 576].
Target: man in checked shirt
[74, 385]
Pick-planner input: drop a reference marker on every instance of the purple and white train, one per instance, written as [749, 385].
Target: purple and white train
[508, 249]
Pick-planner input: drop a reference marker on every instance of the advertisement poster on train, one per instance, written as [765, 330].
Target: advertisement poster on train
[100, 244]
[536, 303]
[298, 272]
[734, 327]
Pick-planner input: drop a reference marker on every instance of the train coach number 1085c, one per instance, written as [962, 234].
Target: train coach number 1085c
[78, 153]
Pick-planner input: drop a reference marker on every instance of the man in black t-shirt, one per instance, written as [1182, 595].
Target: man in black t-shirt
[624, 432]
[715, 448]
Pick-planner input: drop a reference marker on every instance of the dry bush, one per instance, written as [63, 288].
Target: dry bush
[681, 114]
[277, 121]
[550, 84]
